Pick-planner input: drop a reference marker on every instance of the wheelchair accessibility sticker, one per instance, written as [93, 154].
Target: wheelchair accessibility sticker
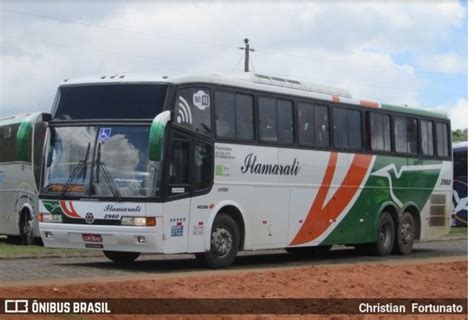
[104, 134]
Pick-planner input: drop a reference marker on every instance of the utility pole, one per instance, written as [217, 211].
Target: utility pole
[247, 54]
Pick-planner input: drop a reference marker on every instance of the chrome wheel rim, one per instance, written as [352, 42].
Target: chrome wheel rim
[406, 233]
[221, 242]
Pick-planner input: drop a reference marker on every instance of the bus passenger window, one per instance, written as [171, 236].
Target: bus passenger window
[245, 123]
[406, 135]
[380, 132]
[347, 129]
[426, 129]
[442, 139]
[267, 116]
[285, 122]
[225, 114]
[306, 124]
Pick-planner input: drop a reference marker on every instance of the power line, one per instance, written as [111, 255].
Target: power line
[238, 62]
[268, 51]
[93, 25]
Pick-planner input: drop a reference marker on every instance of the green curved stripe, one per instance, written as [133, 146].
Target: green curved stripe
[22, 140]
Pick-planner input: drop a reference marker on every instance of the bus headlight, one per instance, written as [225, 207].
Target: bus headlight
[49, 217]
[139, 221]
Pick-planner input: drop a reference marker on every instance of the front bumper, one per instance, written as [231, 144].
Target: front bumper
[114, 238]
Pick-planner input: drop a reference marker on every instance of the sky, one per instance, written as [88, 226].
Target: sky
[408, 53]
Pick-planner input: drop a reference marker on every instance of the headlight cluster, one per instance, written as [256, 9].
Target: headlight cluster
[49, 217]
[139, 221]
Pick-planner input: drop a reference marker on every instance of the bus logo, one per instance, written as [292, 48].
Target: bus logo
[89, 217]
[201, 100]
[184, 112]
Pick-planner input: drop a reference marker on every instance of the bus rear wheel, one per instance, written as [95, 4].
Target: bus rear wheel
[225, 240]
[405, 234]
[121, 256]
[26, 229]
[385, 236]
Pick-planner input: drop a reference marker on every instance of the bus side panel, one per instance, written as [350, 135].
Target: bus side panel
[392, 179]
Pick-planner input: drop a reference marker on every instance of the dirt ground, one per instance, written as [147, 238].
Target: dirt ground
[416, 280]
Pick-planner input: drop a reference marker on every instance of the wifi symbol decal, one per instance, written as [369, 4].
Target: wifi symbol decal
[184, 112]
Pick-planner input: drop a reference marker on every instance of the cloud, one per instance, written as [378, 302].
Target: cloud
[450, 63]
[351, 45]
[458, 113]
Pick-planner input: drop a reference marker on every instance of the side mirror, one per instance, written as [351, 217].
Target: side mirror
[156, 140]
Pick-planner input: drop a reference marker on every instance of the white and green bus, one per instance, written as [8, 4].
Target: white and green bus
[21, 147]
[214, 164]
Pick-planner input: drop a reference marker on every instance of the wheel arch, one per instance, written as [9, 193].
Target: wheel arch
[25, 208]
[236, 212]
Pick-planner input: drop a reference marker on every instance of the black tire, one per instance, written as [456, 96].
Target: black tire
[385, 236]
[26, 229]
[121, 256]
[405, 234]
[225, 241]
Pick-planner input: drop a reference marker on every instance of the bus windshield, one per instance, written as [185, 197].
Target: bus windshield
[110, 101]
[101, 161]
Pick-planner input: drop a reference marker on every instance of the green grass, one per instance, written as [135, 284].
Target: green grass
[458, 231]
[15, 250]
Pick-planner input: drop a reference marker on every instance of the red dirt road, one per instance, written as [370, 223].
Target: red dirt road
[414, 280]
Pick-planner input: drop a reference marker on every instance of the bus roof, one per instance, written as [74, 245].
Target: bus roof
[256, 82]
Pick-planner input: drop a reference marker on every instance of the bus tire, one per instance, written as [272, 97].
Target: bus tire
[225, 240]
[385, 236]
[405, 234]
[122, 256]
[26, 229]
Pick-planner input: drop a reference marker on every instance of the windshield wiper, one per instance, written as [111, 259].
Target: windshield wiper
[101, 167]
[80, 166]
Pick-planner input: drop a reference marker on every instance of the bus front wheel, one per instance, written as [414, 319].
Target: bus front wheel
[405, 234]
[26, 228]
[225, 239]
[121, 256]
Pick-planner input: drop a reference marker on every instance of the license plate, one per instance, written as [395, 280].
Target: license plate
[91, 237]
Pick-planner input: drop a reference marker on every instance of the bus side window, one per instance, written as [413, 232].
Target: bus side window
[234, 116]
[379, 132]
[267, 118]
[442, 139]
[285, 122]
[347, 129]
[406, 135]
[426, 129]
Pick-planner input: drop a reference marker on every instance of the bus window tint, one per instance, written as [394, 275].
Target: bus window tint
[244, 117]
[202, 165]
[193, 110]
[285, 122]
[313, 125]
[179, 164]
[442, 139]
[406, 135]
[380, 132]
[8, 143]
[267, 116]
[225, 114]
[426, 130]
[306, 134]
[40, 132]
[321, 121]
[347, 129]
